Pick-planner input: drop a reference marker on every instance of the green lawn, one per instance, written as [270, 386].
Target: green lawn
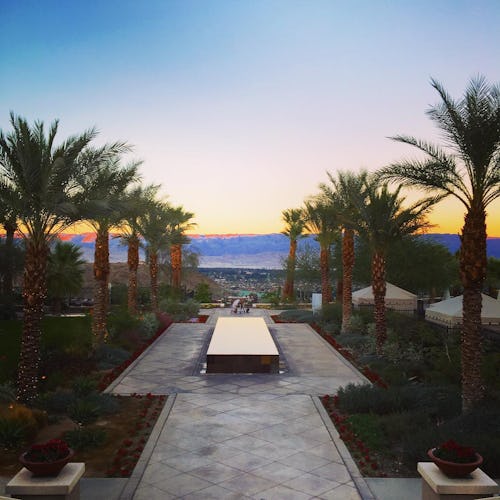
[68, 335]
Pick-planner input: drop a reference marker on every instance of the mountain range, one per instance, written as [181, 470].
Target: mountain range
[246, 250]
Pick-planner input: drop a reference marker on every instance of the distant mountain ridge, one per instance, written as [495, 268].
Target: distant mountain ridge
[246, 250]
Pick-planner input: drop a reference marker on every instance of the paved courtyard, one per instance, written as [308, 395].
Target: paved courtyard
[242, 436]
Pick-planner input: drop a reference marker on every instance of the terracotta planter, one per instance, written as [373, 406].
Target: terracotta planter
[453, 469]
[46, 469]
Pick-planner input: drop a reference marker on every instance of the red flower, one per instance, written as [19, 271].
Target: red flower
[454, 452]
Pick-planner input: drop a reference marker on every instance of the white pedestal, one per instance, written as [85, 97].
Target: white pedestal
[436, 485]
[65, 486]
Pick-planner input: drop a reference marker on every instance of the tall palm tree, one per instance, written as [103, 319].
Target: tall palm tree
[64, 273]
[178, 225]
[138, 202]
[9, 223]
[153, 227]
[320, 219]
[294, 230]
[467, 167]
[108, 184]
[39, 182]
[383, 221]
[345, 193]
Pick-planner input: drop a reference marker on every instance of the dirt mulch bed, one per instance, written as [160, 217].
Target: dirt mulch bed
[127, 432]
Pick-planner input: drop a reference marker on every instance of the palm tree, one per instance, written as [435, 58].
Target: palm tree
[178, 225]
[9, 223]
[107, 184]
[467, 168]
[138, 201]
[345, 194]
[382, 221]
[294, 229]
[153, 227]
[320, 219]
[64, 273]
[38, 181]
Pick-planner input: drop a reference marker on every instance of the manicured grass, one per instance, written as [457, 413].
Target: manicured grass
[67, 334]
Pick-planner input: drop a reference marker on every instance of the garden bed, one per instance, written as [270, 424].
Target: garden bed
[124, 434]
[415, 405]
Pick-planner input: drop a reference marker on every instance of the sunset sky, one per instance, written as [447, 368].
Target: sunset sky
[240, 107]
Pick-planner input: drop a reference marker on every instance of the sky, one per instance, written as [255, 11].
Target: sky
[239, 108]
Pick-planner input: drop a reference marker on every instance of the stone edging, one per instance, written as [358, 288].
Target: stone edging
[352, 468]
[136, 476]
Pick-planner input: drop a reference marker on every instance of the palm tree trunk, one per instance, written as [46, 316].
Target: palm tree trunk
[288, 292]
[347, 270]
[379, 289]
[34, 294]
[153, 274]
[8, 277]
[133, 265]
[176, 263]
[473, 264]
[101, 291]
[326, 287]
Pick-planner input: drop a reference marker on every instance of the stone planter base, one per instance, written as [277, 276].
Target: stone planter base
[437, 486]
[65, 486]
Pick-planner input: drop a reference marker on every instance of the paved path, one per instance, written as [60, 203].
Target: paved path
[242, 436]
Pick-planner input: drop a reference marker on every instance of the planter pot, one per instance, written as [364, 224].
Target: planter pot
[453, 469]
[46, 469]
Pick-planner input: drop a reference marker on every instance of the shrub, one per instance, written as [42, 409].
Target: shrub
[108, 357]
[352, 340]
[149, 325]
[83, 411]
[23, 417]
[106, 404]
[12, 433]
[357, 324]
[332, 313]
[57, 401]
[434, 401]
[121, 321]
[331, 328]
[297, 316]
[7, 393]
[83, 386]
[85, 438]
[180, 311]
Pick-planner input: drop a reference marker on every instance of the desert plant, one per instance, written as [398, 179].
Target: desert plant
[105, 404]
[83, 386]
[57, 401]
[23, 416]
[12, 433]
[108, 357]
[7, 393]
[149, 325]
[83, 411]
[332, 312]
[85, 438]
[297, 315]
[180, 311]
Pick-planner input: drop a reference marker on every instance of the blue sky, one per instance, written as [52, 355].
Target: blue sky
[238, 108]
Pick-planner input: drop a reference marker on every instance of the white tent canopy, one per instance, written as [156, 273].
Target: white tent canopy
[395, 298]
[449, 312]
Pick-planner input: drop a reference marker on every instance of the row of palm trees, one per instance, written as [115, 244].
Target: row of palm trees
[466, 166]
[45, 189]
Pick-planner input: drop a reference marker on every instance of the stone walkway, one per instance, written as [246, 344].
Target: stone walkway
[242, 436]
